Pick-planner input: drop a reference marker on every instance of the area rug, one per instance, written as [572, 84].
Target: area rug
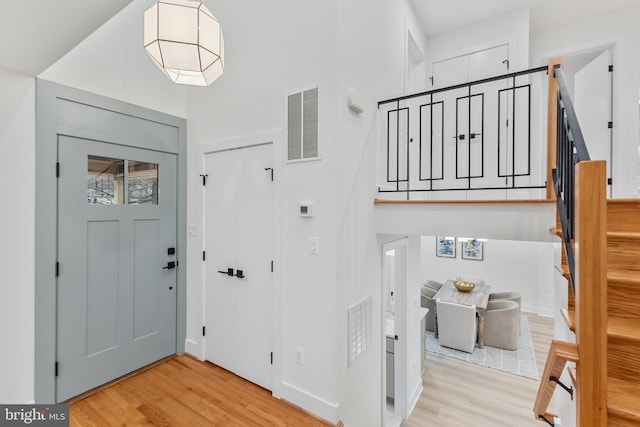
[519, 362]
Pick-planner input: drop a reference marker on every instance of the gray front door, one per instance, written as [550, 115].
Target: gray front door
[116, 306]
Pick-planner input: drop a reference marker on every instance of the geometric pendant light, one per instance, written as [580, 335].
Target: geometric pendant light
[185, 41]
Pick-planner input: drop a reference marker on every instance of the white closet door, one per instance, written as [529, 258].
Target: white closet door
[238, 222]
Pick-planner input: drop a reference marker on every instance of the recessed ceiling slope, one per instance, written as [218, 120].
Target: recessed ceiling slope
[439, 16]
[34, 34]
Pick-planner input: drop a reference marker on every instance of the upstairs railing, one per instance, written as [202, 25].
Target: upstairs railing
[478, 135]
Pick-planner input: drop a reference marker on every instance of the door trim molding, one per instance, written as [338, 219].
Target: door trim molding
[157, 131]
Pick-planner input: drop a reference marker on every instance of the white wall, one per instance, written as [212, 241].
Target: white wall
[512, 28]
[371, 58]
[269, 54]
[507, 221]
[112, 62]
[620, 31]
[508, 265]
[17, 174]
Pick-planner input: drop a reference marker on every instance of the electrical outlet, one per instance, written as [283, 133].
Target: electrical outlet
[299, 355]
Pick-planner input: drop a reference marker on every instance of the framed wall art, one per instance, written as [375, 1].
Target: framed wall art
[472, 249]
[446, 247]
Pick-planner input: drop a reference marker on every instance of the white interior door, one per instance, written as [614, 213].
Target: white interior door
[116, 307]
[592, 92]
[238, 222]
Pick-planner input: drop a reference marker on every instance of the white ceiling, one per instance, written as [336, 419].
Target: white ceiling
[439, 16]
[34, 34]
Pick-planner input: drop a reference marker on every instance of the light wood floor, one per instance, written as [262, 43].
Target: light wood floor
[458, 393]
[185, 392]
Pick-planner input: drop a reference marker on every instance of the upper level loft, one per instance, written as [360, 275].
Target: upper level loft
[479, 140]
[483, 144]
[487, 139]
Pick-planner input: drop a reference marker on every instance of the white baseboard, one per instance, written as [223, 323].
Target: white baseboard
[415, 396]
[309, 402]
[193, 348]
[542, 311]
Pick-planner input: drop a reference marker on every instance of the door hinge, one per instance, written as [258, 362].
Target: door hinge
[204, 255]
[610, 125]
[204, 179]
[611, 68]
[56, 369]
[57, 169]
[609, 181]
[506, 61]
[203, 331]
[272, 266]
[57, 268]
[272, 357]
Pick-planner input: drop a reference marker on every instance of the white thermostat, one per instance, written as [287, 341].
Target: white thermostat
[305, 209]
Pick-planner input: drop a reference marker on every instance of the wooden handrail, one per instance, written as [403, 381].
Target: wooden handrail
[560, 353]
[552, 111]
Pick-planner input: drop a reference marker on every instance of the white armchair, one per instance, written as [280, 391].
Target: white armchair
[457, 325]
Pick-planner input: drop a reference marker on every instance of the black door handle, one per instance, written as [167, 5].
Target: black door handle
[229, 272]
[170, 265]
[239, 274]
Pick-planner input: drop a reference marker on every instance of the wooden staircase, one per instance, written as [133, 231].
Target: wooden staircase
[603, 309]
[622, 318]
[623, 312]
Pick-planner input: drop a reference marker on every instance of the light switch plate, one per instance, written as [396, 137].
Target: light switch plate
[314, 245]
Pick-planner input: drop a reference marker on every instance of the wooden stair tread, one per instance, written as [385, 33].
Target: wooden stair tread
[624, 327]
[624, 236]
[564, 270]
[623, 276]
[622, 399]
[569, 317]
[574, 375]
[556, 231]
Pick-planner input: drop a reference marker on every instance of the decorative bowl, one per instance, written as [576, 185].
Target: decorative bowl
[463, 286]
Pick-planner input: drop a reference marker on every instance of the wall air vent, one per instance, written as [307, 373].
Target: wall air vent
[302, 125]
